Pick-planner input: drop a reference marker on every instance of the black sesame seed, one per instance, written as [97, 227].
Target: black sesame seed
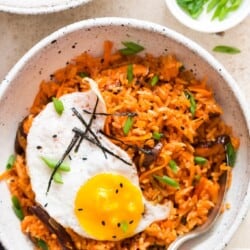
[46, 204]
[121, 185]
[103, 223]
[114, 237]
[70, 157]
[84, 158]
[39, 147]
[118, 224]
[131, 222]
[80, 209]
[116, 191]
[54, 136]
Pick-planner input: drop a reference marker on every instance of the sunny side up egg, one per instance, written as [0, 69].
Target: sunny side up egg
[100, 197]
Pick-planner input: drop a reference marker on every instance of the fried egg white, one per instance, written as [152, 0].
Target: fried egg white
[100, 197]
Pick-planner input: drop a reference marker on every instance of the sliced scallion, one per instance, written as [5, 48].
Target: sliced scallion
[10, 162]
[58, 178]
[128, 125]
[226, 49]
[212, 4]
[230, 154]
[220, 8]
[200, 160]
[192, 101]
[130, 74]
[192, 7]
[154, 80]
[167, 180]
[16, 206]
[224, 7]
[157, 136]
[42, 244]
[235, 4]
[131, 48]
[52, 163]
[83, 74]
[173, 165]
[58, 105]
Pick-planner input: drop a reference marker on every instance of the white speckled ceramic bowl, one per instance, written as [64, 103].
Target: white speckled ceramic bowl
[38, 6]
[21, 84]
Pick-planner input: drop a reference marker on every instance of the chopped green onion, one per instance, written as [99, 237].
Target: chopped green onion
[226, 49]
[83, 74]
[42, 244]
[235, 4]
[167, 180]
[193, 105]
[52, 163]
[220, 8]
[192, 101]
[58, 105]
[10, 162]
[58, 178]
[230, 154]
[131, 48]
[128, 125]
[223, 13]
[192, 7]
[124, 226]
[224, 7]
[173, 165]
[154, 80]
[157, 136]
[15, 202]
[17, 207]
[200, 160]
[130, 74]
[217, 12]
[212, 5]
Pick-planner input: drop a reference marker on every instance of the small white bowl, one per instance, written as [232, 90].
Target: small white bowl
[20, 86]
[204, 23]
[38, 6]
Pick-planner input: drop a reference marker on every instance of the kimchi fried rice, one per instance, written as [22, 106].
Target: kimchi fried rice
[178, 121]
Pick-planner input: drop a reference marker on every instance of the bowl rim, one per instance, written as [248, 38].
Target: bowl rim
[151, 27]
[41, 9]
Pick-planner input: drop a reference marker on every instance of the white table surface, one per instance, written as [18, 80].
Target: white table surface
[18, 33]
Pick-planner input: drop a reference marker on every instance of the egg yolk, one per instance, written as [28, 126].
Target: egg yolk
[109, 207]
